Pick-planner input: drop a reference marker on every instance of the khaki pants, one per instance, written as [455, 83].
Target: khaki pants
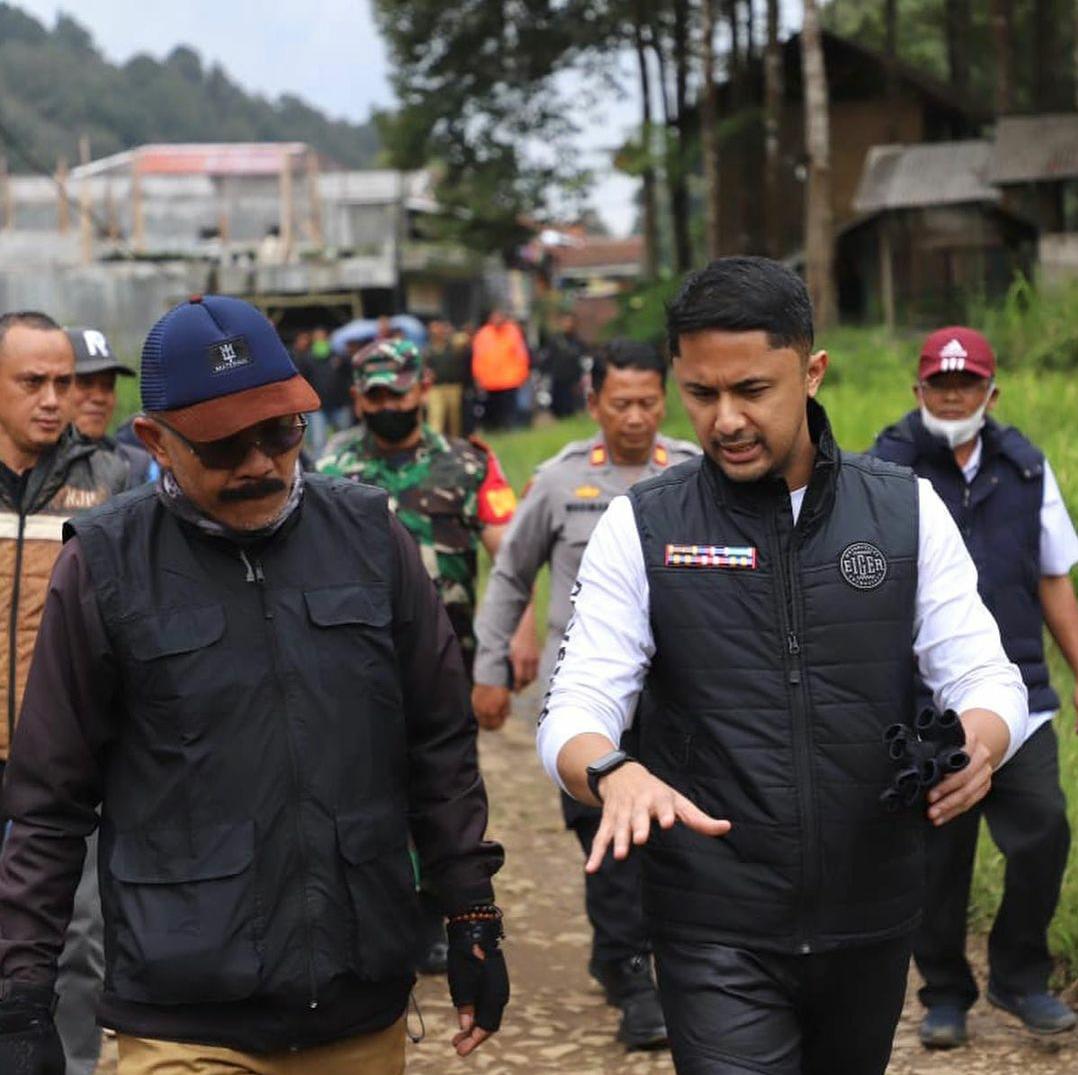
[380, 1053]
[445, 409]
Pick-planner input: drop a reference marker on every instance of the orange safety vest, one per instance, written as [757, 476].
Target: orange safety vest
[499, 357]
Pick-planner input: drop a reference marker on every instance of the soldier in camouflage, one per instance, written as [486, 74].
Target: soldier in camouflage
[450, 494]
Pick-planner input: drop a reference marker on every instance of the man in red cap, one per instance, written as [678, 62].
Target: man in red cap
[1003, 496]
[250, 674]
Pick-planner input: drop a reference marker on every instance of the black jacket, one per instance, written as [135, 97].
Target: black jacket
[264, 728]
[999, 516]
[773, 679]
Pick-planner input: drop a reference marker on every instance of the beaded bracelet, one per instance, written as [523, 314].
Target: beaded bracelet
[482, 912]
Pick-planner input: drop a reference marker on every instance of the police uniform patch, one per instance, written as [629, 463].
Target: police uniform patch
[734, 556]
[862, 565]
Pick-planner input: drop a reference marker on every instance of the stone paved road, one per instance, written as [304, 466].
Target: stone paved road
[557, 1021]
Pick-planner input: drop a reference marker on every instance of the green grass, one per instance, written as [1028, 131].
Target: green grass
[867, 386]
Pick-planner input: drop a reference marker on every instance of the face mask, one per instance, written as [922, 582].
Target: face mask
[393, 426]
[955, 431]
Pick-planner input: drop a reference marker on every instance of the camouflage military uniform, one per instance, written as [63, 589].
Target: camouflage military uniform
[445, 491]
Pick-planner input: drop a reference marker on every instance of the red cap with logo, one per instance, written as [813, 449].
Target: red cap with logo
[956, 350]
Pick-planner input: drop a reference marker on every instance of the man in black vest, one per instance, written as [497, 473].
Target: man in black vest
[249, 670]
[1005, 500]
[757, 612]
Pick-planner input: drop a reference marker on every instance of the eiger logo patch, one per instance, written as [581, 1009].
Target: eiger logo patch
[862, 565]
[229, 355]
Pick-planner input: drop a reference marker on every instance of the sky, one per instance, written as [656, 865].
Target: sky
[327, 51]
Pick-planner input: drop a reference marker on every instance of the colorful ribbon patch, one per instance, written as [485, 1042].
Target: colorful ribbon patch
[739, 556]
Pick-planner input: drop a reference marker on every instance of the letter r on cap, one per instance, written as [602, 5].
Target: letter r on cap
[96, 344]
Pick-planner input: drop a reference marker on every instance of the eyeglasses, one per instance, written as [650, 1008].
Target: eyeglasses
[273, 437]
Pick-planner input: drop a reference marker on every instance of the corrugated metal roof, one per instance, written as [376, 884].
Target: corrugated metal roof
[913, 177]
[1032, 148]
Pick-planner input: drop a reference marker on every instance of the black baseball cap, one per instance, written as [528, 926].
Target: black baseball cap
[93, 353]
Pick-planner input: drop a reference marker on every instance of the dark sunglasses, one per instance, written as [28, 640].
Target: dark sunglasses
[273, 437]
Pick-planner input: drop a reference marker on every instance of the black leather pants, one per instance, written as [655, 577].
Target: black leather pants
[733, 1011]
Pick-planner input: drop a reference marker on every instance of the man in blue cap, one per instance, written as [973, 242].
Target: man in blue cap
[248, 670]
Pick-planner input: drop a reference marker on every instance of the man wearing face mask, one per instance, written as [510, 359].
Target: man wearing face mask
[1002, 494]
[450, 494]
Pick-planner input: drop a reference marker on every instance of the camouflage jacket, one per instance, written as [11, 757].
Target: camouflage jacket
[445, 491]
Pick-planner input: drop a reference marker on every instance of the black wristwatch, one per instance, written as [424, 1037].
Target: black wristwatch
[601, 766]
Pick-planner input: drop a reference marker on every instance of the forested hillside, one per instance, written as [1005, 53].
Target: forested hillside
[56, 86]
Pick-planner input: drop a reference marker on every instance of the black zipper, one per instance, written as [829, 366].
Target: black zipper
[800, 719]
[255, 575]
[13, 627]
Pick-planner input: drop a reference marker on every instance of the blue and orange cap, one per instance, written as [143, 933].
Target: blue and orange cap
[215, 365]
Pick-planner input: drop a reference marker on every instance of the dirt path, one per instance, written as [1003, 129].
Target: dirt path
[558, 1022]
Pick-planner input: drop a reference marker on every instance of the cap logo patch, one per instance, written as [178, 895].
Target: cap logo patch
[862, 565]
[953, 357]
[96, 344]
[229, 355]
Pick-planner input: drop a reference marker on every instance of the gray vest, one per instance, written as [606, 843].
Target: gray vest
[253, 833]
[780, 659]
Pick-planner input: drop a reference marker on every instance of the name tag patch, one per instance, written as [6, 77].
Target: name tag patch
[732, 556]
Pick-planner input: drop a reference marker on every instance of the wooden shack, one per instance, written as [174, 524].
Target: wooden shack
[930, 233]
[862, 115]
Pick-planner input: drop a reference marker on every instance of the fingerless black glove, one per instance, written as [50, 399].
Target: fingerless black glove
[482, 981]
[923, 755]
[29, 1043]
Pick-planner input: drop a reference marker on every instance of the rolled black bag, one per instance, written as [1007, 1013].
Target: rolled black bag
[922, 755]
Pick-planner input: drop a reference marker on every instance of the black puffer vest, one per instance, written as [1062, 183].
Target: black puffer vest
[777, 668]
[999, 515]
[253, 836]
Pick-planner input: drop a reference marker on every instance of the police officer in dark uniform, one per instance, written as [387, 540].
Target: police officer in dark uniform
[756, 615]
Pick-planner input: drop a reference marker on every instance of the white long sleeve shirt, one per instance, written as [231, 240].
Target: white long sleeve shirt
[609, 643]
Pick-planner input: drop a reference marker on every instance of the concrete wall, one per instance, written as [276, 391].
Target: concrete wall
[122, 299]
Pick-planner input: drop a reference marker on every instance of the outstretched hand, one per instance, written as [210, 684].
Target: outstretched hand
[632, 800]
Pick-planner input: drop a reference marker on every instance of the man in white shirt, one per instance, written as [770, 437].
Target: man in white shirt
[1006, 502]
[754, 614]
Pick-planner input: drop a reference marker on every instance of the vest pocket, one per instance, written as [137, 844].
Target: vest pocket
[186, 919]
[381, 884]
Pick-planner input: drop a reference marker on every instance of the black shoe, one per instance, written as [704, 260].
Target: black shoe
[943, 1027]
[1041, 1012]
[628, 985]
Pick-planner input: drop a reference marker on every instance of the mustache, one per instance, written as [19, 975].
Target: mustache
[253, 490]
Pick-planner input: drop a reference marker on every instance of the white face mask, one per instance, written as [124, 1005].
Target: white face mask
[956, 431]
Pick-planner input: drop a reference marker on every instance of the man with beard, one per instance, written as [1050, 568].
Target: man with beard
[249, 672]
[758, 614]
